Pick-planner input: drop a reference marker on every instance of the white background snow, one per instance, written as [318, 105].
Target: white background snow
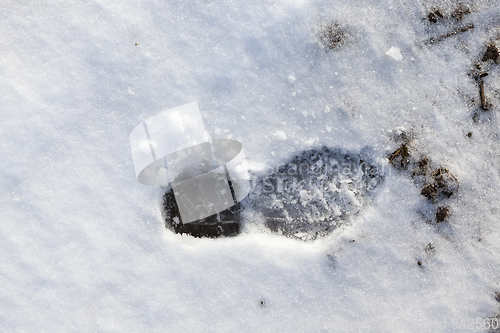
[83, 246]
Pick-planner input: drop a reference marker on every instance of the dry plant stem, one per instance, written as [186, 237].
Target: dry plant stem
[440, 38]
[481, 91]
[403, 151]
[439, 171]
[396, 153]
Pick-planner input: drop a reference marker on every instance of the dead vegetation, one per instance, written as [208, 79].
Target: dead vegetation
[332, 36]
[401, 157]
[433, 40]
[491, 53]
[441, 185]
[457, 14]
[446, 183]
[430, 248]
[442, 214]
[429, 191]
[439, 16]
[435, 16]
[480, 70]
[437, 184]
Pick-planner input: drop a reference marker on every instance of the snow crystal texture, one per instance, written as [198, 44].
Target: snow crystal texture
[84, 246]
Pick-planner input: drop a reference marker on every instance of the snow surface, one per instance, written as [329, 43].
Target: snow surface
[83, 245]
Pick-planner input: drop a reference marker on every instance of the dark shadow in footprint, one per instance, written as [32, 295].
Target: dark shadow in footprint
[309, 196]
[227, 223]
[316, 192]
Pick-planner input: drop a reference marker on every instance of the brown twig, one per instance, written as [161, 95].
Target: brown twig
[481, 91]
[440, 171]
[402, 150]
[455, 32]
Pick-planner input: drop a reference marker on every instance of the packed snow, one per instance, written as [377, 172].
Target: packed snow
[84, 246]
